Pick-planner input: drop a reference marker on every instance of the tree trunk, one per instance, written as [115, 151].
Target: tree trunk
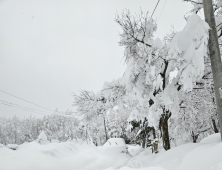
[164, 129]
[154, 133]
[194, 137]
[215, 126]
[105, 129]
[86, 137]
[144, 143]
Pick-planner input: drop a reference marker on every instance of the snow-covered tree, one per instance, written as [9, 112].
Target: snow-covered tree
[144, 133]
[149, 63]
[92, 107]
[147, 70]
[197, 116]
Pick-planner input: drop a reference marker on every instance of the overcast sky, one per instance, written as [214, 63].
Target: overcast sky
[50, 49]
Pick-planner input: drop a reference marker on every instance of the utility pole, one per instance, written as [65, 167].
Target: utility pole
[214, 57]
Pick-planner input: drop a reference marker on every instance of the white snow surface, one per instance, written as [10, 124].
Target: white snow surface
[214, 138]
[134, 150]
[2, 146]
[57, 156]
[69, 156]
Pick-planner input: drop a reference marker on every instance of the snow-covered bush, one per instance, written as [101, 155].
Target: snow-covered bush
[42, 139]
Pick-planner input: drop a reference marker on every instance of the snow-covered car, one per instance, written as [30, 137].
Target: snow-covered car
[115, 146]
[12, 146]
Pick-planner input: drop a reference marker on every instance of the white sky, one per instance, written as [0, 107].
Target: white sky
[50, 49]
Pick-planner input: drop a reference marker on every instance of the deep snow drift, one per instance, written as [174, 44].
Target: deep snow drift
[205, 155]
[58, 156]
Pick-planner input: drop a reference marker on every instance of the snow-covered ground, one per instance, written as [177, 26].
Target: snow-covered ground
[58, 156]
[205, 155]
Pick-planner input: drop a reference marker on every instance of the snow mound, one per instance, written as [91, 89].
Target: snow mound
[134, 150]
[191, 156]
[57, 156]
[214, 138]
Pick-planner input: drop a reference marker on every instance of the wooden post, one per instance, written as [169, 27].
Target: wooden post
[156, 147]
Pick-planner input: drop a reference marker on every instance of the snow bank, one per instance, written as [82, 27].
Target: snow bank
[206, 155]
[149, 168]
[215, 138]
[57, 156]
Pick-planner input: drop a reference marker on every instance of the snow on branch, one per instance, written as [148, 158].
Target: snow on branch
[217, 4]
[84, 101]
[137, 31]
[192, 42]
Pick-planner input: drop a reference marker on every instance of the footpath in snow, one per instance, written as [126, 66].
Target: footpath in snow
[206, 155]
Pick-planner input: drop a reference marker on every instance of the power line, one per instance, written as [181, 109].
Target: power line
[54, 111]
[22, 108]
[155, 8]
[17, 106]
[162, 10]
[6, 103]
[26, 101]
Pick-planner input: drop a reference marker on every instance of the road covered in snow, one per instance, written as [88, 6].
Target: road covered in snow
[205, 155]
